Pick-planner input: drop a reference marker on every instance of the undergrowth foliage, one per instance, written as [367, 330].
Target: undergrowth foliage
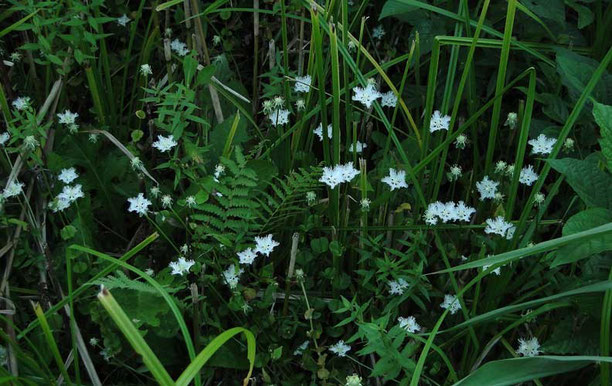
[305, 192]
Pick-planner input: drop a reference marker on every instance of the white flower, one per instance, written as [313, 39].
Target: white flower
[179, 47]
[340, 348]
[190, 201]
[67, 175]
[67, 117]
[311, 198]
[149, 271]
[510, 170]
[487, 188]
[16, 57]
[539, 198]
[529, 347]
[439, 122]
[21, 103]
[68, 195]
[365, 204]
[155, 191]
[123, 20]
[146, 69]
[30, 142]
[265, 245]
[542, 144]
[12, 189]
[279, 117]
[378, 32]
[93, 138]
[357, 146]
[300, 350]
[396, 179]
[164, 144]
[352, 46]
[300, 104]
[338, 174]
[93, 341]
[451, 303]
[184, 249]
[4, 137]
[319, 131]
[501, 227]
[455, 172]
[231, 276]
[136, 163]
[512, 120]
[302, 83]
[219, 170]
[496, 271]
[461, 141]
[409, 324]
[166, 201]
[463, 212]
[389, 99]
[139, 204]
[568, 144]
[216, 40]
[247, 256]
[397, 287]
[528, 176]
[366, 95]
[181, 266]
[278, 101]
[500, 166]
[353, 380]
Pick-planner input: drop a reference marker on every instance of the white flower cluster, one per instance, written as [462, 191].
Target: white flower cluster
[439, 122]
[448, 212]
[181, 266]
[21, 103]
[302, 83]
[397, 287]
[529, 347]
[542, 144]
[179, 47]
[501, 227]
[487, 188]
[13, 189]
[264, 245]
[396, 179]
[368, 94]
[451, 303]
[338, 174]
[279, 117]
[146, 69]
[340, 348]
[353, 380]
[164, 144]
[68, 118]
[231, 276]
[409, 324]
[68, 195]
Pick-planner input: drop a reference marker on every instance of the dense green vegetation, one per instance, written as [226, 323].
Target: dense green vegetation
[293, 192]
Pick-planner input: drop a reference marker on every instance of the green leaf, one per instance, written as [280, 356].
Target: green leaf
[603, 116]
[517, 370]
[576, 71]
[583, 221]
[592, 185]
[585, 15]
[68, 232]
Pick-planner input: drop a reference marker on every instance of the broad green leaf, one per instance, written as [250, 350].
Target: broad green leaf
[576, 71]
[593, 185]
[553, 10]
[517, 370]
[68, 232]
[583, 221]
[603, 116]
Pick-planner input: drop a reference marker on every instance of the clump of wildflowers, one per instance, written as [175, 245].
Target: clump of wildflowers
[181, 266]
[500, 226]
[409, 324]
[338, 174]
